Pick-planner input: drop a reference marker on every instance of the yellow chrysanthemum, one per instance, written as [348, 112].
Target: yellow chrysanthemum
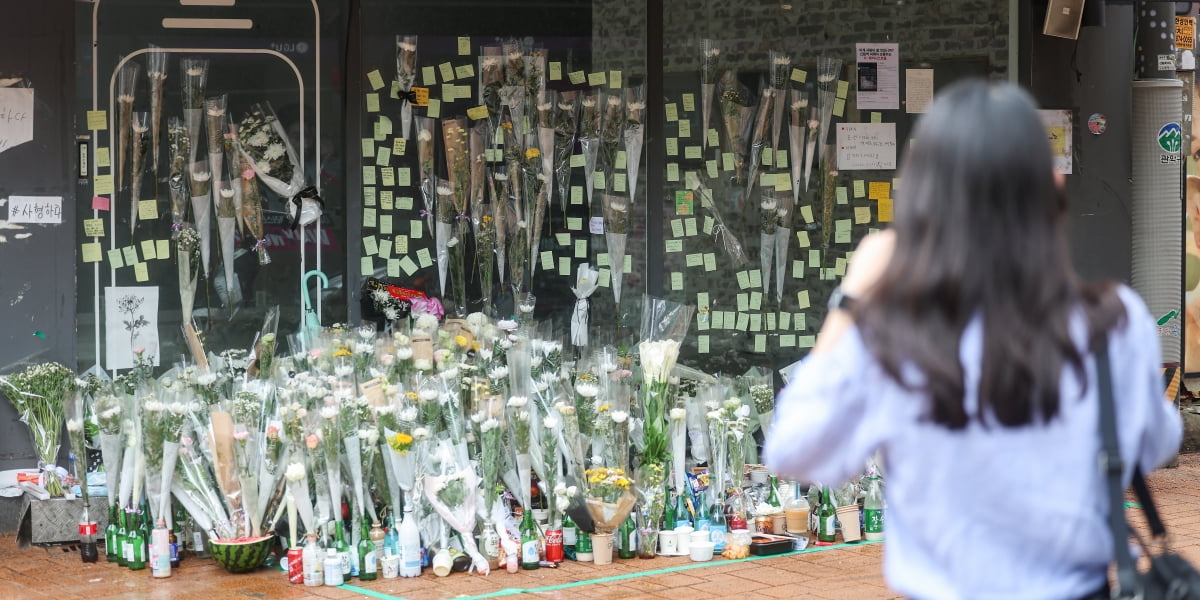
[532, 153]
[461, 341]
[342, 352]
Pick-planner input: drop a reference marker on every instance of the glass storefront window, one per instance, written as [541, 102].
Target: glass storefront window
[149, 75]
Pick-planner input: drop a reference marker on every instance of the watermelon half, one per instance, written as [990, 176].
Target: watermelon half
[241, 555]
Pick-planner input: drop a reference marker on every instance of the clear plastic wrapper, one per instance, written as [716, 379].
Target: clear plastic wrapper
[200, 178]
[406, 76]
[589, 137]
[139, 142]
[156, 76]
[458, 166]
[566, 120]
[722, 235]
[37, 394]
[178, 145]
[264, 140]
[710, 54]
[127, 79]
[452, 489]
[192, 81]
[250, 211]
[425, 160]
[634, 134]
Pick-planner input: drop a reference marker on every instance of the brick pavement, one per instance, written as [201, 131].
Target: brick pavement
[841, 572]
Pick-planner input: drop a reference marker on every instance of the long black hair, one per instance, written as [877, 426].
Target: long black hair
[980, 231]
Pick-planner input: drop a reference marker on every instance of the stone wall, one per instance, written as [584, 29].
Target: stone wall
[927, 30]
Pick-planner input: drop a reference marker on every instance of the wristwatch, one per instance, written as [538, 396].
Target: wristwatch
[839, 299]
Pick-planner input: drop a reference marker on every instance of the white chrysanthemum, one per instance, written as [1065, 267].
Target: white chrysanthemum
[364, 348]
[535, 361]
[273, 151]
[444, 190]
[678, 414]
[452, 242]
[206, 379]
[427, 323]
[743, 411]
[768, 204]
[499, 372]
[551, 421]
[180, 408]
[404, 352]
[713, 415]
[518, 401]
[489, 425]
[619, 416]
[423, 364]
[427, 394]
[424, 136]
[732, 403]
[329, 412]
[295, 472]
[507, 324]
[409, 414]
[450, 374]
[420, 433]
[259, 139]
[74, 425]
[343, 370]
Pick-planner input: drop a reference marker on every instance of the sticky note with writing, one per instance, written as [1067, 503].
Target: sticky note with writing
[97, 120]
[115, 258]
[375, 79]
[93, 227]
[91, 252]
[140, 273]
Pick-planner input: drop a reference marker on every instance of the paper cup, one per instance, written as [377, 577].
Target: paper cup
[759, 476]
[683, 538]
[668, 542]
[602, 548]
[391, 567]
[848, 518]
[701, 551]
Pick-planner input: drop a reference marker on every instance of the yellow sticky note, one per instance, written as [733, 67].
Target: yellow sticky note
[860, 188]
[103, 185]
[115, 259]
[798, 269]
[713, 138]
[383, 156]
[783, 182]
[806, 213]
[555, 71]
[802, 299]
[97, 120]
[677, 228]
[843, 88]
[799, 75]
[727, 161]
[368, 147]
[689, 226]
[424, 258]
[672, 147]
[862, 214]
[387, 200]
[369, 218]
[368, 176]
[366, 266]
[103, 158]
[839, 107]
[409, 265]
[387, 176]
[415, 228]
[580, 248]
[370, 245]
[393, 267]
[577, 77]
[597, 78]
[399, 146]
[148, 250]
[879, 189]
[147, 210]
[162, 249]
[695, 260]
[434, 110]
[692, 152]
[465, 72]
[685, 128]
[710, 166]
[93, 227]
[140, 273]
[876, 117]
[885, 210]
[614, 79]
[674, 246]
[446, 70]
[403, 176]
[563, 239]
[401, 244]
[479, 112]
[404, 203]
[802, 239]
[672, 171]
[781, 159]
[677, 281]
[375, 79]
[840, 195]
[385, 224]
[576, 194]
[672, 111]
[464, 45]
[372, 102]
[91, 252]
[710, 261]
[385, 249]
[702, 344]
[575, 223]
[599, 181]
[428, 76]
[689, 103]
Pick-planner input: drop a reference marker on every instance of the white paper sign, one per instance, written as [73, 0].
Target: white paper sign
[130, 322]
[1058, 131]
[866, 146]
[35, 209]
[918, 90]
[878, 76]
[16, 117]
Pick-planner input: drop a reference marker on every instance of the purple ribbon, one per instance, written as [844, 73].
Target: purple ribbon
[462, 217]
[425, 213]
[176, 226]
[260, 244]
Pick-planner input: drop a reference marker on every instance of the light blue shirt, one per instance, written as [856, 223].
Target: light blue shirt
[980, 513]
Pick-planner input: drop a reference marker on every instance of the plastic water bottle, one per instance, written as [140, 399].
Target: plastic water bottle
[410, 546]
[313, 569]
[391, 540]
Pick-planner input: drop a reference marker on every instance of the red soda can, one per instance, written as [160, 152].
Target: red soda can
[554, 545]
[295, 558]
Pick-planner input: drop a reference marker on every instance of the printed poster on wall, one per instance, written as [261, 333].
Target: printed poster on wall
[16, 117]
[878, 76]
[1058, 132]
[1191, 256]
[130, 323]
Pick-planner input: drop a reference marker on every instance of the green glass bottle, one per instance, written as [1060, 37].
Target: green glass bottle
[530, 557]
[773, 498]
[826, 515]
[570, 531]
[122, 542]
[669, 513]
[137, 545]
[111, 552]
[343, 550]
[627, 539]
[367, 565]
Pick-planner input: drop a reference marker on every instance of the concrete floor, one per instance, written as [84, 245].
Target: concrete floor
[851, 571]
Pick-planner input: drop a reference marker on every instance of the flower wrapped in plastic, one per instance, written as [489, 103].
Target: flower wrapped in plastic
[736, 116]
[156, 75]
[139, 143]
[200, 180]
[127, 79]
[196, 489]
[458, 166]
[193, 76]
[589, 137]
[635, 132]
[610, 499]
[108, 407]
[566, 120]
[406, 76]
[37, 394]
[178, 145]
[263, 139]
[664, 325]
[710, 55]
[163, 417]
[452, 489]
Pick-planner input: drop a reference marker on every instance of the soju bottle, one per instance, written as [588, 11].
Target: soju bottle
[391, 539]
[529, 542]
[111, 551]
[137, 547]
[873, 510]
[343, 550]
[627, 539]
[669, 514]
[826, 515]
[367, 565]
[570, 531]
[773, 497]
[682, 515]
[122, 546]
[702, 520]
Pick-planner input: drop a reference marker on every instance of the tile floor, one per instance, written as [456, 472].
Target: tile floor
[839, 572]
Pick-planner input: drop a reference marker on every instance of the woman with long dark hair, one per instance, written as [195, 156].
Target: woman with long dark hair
[959, 345]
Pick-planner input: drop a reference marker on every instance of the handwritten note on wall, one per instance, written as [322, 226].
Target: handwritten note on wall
[16, 117]
[866, 146]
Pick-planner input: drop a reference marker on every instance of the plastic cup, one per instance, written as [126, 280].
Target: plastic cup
[683, 538]
[701, 551]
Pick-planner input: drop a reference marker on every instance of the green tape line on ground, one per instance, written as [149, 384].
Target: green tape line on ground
[663, 571]
[1132, 505]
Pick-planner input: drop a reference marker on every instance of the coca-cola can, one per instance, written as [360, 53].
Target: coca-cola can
[554, 545]
[295, 565]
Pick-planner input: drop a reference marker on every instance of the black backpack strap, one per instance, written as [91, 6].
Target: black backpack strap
[1111, 466]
